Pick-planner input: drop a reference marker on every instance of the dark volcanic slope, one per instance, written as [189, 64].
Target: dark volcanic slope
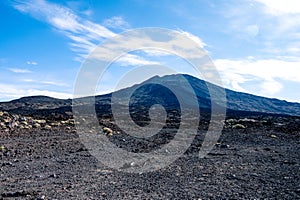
[236, 101]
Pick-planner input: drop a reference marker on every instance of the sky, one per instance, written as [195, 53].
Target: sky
[254, 44]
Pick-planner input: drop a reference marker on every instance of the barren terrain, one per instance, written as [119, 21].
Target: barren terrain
[259, 158]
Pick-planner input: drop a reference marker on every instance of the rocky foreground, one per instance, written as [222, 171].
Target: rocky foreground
[43, 158]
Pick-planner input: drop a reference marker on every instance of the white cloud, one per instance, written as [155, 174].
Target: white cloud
[130, 59]
[271, 87]
[116, 22]
[279, 7]
[193, 37]
[8, 92]
[267, 76]
[54, 83]
[143, 40]
[19, 70]
[31, 63]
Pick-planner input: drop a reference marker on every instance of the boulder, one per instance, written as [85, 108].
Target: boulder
[36, 125]
[47, 127]
[238, 126]
[107, 131]
[40, 121]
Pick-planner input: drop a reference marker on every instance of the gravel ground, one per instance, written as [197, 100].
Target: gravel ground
[247, 163]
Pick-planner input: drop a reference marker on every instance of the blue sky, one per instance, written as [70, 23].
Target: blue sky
[255, 44]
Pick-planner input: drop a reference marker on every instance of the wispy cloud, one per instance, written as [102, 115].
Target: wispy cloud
[116, 22]
[271, 26]
[83, 33]
[19, 70]
[130, 59]
[54, 83]
[31, 63]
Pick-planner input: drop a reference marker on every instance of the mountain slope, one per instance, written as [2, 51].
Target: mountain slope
[143, 96]
[236, 101]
